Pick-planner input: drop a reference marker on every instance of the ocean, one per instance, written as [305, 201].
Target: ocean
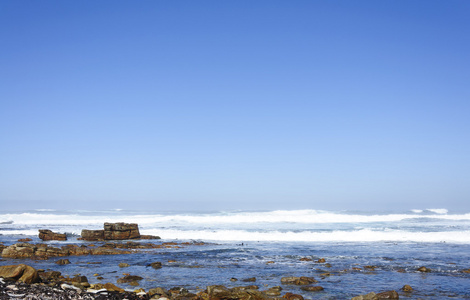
[269, 245]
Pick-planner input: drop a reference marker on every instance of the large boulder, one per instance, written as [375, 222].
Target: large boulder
[20, 272]
[115, 231]
[121, 231]
[48, 235]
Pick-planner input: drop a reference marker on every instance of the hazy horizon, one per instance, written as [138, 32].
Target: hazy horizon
[210, 105]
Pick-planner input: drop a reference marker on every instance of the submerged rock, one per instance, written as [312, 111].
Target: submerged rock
[63, 262]
[407, 288]
[424, 270]
[312, 288]
[291, 296]
[303, 280]
[156, 265]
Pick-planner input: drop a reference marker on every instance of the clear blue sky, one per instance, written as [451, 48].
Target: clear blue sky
[181, 105]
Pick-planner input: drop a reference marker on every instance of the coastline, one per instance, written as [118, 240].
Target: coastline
[384, 254]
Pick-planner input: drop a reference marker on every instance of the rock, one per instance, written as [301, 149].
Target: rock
[22, 273]
[63, 262]
[149, 237]
[251, 279]
[274, 291]
[407, 288]
[51, 276]
[20, 250]
[25, 240]
[218, 291]
[298, 280]
[121, 231]
[306, 259]
[108, 251]
[290, 296]
[424, 270]
[158, 291]
[123, 265]
[48, 235]
[129, 279]
[92, 235]
[370, 296]
[80, 281]
[312, 288]
[388, 295]
[156, 265]
[109, 287]
[321, 260]
[115, 231]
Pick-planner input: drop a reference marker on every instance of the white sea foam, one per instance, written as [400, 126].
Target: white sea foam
[295, 216]
[364, 235]
[440, 211]
[279, 225]
[417, 211]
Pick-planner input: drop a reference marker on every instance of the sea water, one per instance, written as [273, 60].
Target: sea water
[268, 245]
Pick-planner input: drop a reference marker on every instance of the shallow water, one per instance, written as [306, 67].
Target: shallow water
[396, 261]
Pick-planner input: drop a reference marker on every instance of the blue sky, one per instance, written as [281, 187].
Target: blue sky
[183, 105]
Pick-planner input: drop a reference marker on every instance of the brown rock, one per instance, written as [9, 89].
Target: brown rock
[312, 288]
[92, 235]
[25, 240]
[407, 288]
[388, 295]
[80, 281]
[306, 259]
[124, 265]
[298, 280]
[149, 237]
[424, 270]
[49, 276]
[48, 235]
[251, 279]
[20, 250]
[158, 291]
[129, 279]
[218, 291]
[290, 296]
[109, 287]
[321, 260]
[121, 231]
[370, 296]
[156, 265]
[63, 262]
[20, 272]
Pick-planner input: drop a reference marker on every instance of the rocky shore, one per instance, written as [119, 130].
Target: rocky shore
[138, 273]
[24, 282]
